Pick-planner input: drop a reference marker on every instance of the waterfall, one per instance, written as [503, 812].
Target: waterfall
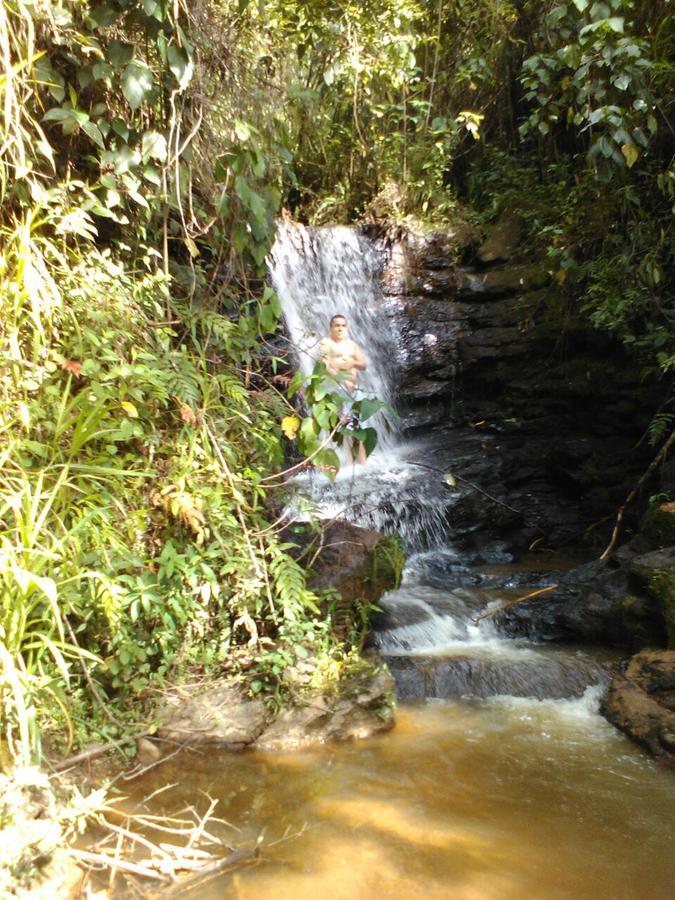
[318, 273]
[321, 272]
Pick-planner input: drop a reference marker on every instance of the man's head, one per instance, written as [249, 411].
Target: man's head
[338, 327]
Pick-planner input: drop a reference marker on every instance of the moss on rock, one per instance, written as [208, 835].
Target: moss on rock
[655, 574]
[657, 528]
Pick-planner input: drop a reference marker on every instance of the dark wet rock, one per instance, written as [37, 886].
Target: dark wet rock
[543, 677]
[495, 552]
[641, 702]
[487, 344]
[503, 239]
[594, 603]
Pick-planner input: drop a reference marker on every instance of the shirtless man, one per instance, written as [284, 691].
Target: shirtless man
[344, 359]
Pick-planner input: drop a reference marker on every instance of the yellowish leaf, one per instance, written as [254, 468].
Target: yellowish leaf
[289, 426]
[630, 153]
[129, 409]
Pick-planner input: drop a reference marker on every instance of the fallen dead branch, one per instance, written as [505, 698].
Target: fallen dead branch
[191, 853]
[530, 596]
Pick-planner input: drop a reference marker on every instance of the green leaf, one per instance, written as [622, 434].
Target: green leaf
[154, 146]
[104, 15]
[136, 83]
[120, 53]
[307, 436]
[329, 461]
[91, 130]
[102, 71]
[368, 408]
[122, 160]
[154, 9]
[242, 130]
[56, 114]
[120, 127]
[153, 175]
[181, 65]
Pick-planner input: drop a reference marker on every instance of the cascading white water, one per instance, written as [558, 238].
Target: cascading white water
[321, 272]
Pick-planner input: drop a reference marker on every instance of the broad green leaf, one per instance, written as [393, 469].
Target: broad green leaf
[120, 127]
[57, 114]
[136, 83]
[368, 408]
[242, 130]
[153, 175]
[181, 65]
[91, 130]
[328, 461]
[154, 8]
[122, 160]
[102, 71]
[120, 53]
[104, 15]
[307, 436]
[154, 146]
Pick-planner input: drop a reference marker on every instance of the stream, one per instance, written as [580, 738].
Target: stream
[500, 779]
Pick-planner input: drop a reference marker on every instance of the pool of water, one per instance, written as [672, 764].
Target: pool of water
[501, 798]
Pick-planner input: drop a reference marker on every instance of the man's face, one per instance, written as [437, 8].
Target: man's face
[338, 329]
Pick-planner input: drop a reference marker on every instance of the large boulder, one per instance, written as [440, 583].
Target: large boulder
[641, 702]
[357, 564]
[219, 713]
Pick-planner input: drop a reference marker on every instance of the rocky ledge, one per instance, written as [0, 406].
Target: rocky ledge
[641, 702]
[222, 715]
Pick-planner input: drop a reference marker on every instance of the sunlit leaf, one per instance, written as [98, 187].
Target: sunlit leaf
[289, 426]
[136, 83]
[129, 409]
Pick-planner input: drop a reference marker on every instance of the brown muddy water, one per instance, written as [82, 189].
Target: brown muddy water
[475, 800]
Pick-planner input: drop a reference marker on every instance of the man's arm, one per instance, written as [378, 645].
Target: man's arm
[359, 358]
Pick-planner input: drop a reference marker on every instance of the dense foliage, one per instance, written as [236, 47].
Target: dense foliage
[136, 534]
[147, 147]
